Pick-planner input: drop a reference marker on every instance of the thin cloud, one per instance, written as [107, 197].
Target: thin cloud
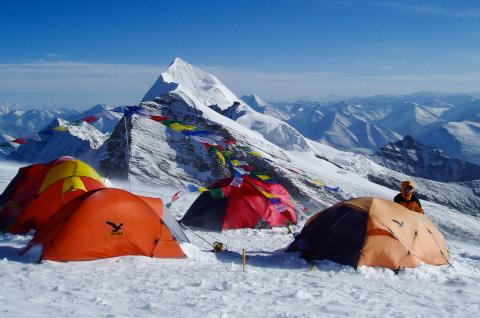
[90, 83]
[433, 9]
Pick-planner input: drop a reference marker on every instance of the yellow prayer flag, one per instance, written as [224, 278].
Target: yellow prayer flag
[180, 127]
[61, 128]
[255, 153]
[220, 156]
[268, 194]
[236, 163]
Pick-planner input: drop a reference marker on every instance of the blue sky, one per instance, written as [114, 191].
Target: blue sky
[78, 53]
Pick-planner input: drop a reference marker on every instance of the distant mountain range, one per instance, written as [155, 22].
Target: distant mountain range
[415, 159]
[447, 121]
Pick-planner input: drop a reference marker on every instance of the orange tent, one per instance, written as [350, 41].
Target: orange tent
[373, 232]
[108, 223]
[39, 190]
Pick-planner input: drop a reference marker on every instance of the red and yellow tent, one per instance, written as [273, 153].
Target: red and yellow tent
[40, 190]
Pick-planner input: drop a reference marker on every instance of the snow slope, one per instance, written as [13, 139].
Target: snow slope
[164, 156]
[461, 196]
[349, 132]
[410, 119]
[275, 284]
[458, 139]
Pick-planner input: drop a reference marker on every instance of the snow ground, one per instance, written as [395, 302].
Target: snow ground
[213, 285]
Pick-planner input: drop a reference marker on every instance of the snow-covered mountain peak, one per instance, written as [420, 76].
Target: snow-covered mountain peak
[4, 108]
[196, 86]
[255, 101]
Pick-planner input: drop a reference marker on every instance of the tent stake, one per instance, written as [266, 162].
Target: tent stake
[244, 260]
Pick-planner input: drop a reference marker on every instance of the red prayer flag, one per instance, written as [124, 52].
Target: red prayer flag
[248, 168]
[21, 141]
[230, 142]
[176, 196]
[158, 118]
[207, 145]
[90, 119]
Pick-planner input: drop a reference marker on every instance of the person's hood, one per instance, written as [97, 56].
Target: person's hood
[405, 184]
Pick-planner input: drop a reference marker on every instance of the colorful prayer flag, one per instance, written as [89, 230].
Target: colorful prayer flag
[61, 128]
[176, 196]
[267, 194]
[192, 188]
[237, 179]
[181, 127]
[20, 141]
[248, 167]
[235, 163]
[255, 153]
[264, 177]
[90, 119]
[275, 200]
[319, 182]
[196, 133]
[169, 122]
[217, 193]
[158, 118]
[219, 155]
[227, 153]
[229, 142]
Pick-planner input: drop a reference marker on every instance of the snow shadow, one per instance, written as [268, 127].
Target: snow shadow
[12, 254]
[278, 259]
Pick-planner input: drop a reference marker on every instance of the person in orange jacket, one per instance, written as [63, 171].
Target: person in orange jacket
[407, 198]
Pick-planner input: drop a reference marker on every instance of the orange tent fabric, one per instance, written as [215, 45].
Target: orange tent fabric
[38, 191]
[374, 232]
[108, 223]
